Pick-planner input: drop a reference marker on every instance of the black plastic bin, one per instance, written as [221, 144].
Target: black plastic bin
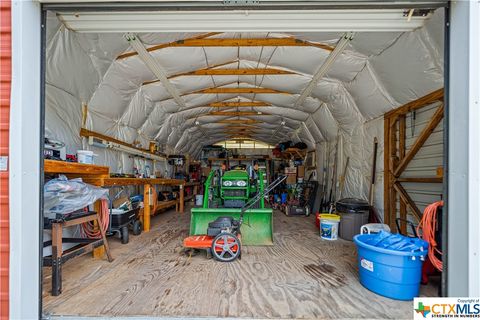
[122, 222]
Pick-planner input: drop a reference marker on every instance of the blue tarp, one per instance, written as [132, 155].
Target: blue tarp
[397, 242]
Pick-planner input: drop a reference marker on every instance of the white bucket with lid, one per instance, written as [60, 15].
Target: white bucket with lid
[85, 156]
[199, 200]
[329, 226]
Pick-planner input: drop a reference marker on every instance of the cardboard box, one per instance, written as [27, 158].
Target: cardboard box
[301, 171]
[291, 179]
[206, 171]
[291, 170]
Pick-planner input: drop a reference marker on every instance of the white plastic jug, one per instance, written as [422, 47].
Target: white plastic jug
[85, 156]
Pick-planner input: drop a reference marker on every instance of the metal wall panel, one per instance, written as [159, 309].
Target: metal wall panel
[427, 160]
[5, 82]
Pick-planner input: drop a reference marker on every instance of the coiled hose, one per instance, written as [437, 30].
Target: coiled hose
[428, 226]
[90, 230]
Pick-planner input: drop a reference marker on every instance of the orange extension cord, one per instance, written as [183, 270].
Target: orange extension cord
[89, 230]
[428, 225]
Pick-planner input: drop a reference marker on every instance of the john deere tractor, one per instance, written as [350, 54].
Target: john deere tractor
[225, 195]
[237, 187]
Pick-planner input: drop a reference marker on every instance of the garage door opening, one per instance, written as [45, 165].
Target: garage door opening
[168, 105]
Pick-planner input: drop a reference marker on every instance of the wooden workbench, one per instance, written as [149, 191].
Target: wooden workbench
[100, 176]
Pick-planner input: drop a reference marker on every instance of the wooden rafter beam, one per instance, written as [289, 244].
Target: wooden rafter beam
[230, 114]
[236, 113]
[417, 104]
[229, 104]
[166, 45]
[239, 90]
[421, 179]
[238, 72]
[239, 130]
[187, 73]
[202, 41]
[240, 127]
[241, 135]
[426, 132]
[239, 121]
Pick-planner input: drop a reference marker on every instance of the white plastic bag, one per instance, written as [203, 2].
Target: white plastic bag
[63, 196]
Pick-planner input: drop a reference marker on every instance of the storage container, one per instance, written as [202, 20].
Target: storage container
[390, 273]
[351, 224]
[85, 156]
[199, 200]
[329, 226]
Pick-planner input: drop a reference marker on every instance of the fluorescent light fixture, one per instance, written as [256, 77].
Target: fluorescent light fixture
[310, 136]
[155, 67]
[122, 148]
[322, 71]
[361, 20]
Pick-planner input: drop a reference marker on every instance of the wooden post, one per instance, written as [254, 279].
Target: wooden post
[386, 170]
[182, 198]
[402, 148]
[146, 207]
[98, 252]
[396, 157]
[393, 165]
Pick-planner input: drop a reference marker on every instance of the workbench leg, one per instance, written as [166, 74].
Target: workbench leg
[99, 252]
[146, 207]
[182, 198]
[105, 242]
[57, 252]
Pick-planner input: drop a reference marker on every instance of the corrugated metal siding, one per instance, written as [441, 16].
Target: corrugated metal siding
[426, 161]
[5, 82]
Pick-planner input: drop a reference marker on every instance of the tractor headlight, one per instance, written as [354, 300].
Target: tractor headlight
[241, 183]
[227, 183]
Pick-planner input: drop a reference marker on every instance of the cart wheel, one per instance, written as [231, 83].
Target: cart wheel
[287, 210]
[226, 247]
[124, 234]
[307, 211]
[137, 227]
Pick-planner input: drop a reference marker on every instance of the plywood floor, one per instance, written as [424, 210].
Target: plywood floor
[299, 277]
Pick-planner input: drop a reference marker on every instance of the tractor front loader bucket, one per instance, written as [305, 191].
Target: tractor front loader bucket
[256, 230]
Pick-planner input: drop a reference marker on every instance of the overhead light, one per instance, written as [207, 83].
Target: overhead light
[283, 123]
[324, 68]
[154, 66]
[197, 123]
[259, 112]
[361, 20]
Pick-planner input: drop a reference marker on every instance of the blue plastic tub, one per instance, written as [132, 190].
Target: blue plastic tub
[390, 273]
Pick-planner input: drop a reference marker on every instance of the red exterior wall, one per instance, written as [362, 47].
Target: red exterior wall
[5, 84]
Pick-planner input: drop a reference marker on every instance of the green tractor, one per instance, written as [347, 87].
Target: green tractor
[225, 195]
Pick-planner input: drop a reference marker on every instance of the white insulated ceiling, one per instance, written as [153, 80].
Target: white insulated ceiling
[377, 72]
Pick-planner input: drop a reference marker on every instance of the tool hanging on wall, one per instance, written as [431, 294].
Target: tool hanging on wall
[334, 174]
[343, 178]
[326, 165]
[374, 169]
[413, 120]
